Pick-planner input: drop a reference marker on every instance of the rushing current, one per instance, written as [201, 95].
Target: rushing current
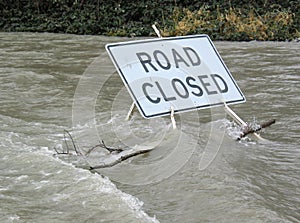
[198, 173]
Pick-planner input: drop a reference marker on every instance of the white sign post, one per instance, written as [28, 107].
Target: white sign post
[183, 73]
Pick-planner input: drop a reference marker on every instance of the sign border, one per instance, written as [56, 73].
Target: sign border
[111, 45]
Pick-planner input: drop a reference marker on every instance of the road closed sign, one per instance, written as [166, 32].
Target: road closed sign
[183, 73]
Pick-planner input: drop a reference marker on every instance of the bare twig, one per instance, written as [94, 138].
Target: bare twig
[74, 145]
[94, 147]
[111, 149]
[63, 152]
[65, 140]
[102, 145]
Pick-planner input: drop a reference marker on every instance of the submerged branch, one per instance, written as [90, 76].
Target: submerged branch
[247, 130]
[117, 155]
[121, 158]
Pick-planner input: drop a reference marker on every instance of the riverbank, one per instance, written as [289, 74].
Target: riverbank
[234, 20]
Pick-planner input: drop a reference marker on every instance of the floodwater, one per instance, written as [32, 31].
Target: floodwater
[197, 173]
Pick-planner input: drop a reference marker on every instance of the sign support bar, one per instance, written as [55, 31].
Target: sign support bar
[240, 121]
[130, 112]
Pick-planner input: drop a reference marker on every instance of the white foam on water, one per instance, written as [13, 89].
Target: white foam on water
[103, 185]
[33, 180]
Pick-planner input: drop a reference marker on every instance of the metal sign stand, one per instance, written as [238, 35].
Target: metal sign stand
[133, 107]
[130, 112]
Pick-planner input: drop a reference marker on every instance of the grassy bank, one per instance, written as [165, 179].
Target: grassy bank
[230, 20]
[234, 24]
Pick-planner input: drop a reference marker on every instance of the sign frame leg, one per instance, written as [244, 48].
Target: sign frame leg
[240, 121]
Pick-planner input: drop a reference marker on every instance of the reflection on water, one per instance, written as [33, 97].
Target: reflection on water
[249, 180]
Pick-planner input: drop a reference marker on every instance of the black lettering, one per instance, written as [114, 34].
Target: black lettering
[188, 81]
[163, 94]
[186, 92]
[206, 84]
[178, 58]
[155, 101]
[155, 54]
[146, 61]
[213, 76]
[196, 62]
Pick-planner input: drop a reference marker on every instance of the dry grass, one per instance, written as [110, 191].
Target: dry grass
[232, 24]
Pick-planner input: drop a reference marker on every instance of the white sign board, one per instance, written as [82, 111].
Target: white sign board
[185, 73]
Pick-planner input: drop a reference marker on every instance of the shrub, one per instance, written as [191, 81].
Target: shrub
[222, 20]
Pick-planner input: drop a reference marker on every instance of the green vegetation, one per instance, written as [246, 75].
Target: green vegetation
[221, 20]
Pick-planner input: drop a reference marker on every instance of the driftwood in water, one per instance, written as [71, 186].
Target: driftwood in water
[247, 130]
[116, 156]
